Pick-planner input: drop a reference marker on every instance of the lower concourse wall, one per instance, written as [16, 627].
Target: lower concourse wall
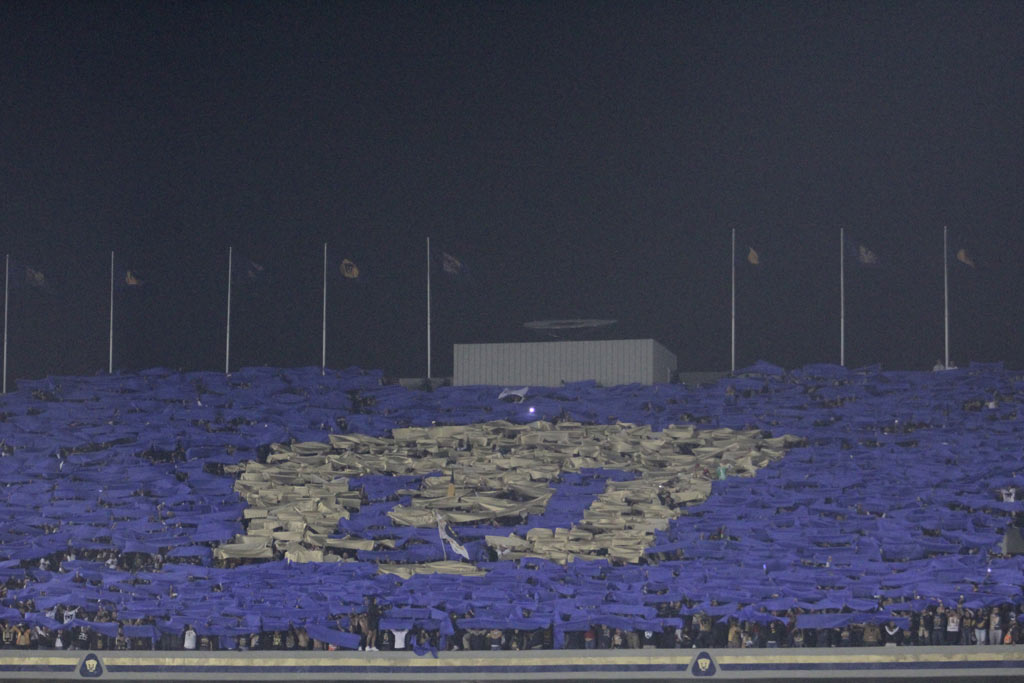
[946, 663]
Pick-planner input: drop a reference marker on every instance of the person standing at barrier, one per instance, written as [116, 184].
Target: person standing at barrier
[966, 627]
[372, 623]
[939, 626]
[981, 627]
[995, 633]
[735, 637]
[953, 627]
[704, 635]
[23, 637]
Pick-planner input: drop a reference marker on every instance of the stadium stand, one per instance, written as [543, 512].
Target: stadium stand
[288, 510]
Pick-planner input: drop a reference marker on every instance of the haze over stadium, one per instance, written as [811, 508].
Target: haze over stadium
[581, 162]
[563, 172]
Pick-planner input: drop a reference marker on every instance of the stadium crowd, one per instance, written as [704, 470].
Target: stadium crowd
[103, 629]
[937, 625]
[811, 552]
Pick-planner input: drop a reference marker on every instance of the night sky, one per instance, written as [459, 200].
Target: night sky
[582, 160]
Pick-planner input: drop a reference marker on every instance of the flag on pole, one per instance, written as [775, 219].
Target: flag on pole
[860, 255]
[130, 279]
[35, 278]
[451, 265]
[446, 537]
[865, 256]
[348, 269]
[353, 270]
[24, 275]
[246, 270]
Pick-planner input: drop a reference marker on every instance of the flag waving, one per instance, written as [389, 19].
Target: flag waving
[129, 279]
[442, 531]
[860, 255]
[451, 265]
[865, 256]
[247, 271]
[23, 275]
[348, 269]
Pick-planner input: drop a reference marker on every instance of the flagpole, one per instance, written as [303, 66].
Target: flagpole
[323, 335]
[7, 278]
[428, 309]
[110, 345]
[227, 337]
[945, 288]
[842, 299]
[733, 364]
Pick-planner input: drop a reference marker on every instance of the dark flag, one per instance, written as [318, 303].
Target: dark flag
[22, 275]
[865, 256]
[247, 271]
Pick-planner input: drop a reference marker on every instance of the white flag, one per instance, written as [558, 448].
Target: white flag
[442, 531]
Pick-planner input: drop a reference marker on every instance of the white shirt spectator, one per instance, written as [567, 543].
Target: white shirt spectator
[190, 638]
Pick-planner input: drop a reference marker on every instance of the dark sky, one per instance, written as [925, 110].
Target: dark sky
[582, 159]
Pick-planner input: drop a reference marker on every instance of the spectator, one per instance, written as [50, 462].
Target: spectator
[495, 639]
[617, 640]
[371, 623]
[953, 627]
[967, 627]
[939, 626]
[632, 639]
[704, 633]
[981, 627]
[995, 630]
[747, 638]
[8, 635]
[776, 634]
[872, 635]
[23, 637]
[735, 635]
[798, 638]
[893, 634]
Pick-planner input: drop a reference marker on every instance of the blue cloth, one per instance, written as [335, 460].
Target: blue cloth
[807, 531]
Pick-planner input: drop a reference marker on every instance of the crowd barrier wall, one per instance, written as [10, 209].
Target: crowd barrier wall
[881, 663]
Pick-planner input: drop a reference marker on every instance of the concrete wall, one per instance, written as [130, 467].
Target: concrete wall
[967, 663]
[610, 362]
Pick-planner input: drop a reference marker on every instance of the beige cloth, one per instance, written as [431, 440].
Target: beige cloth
[502, 474]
